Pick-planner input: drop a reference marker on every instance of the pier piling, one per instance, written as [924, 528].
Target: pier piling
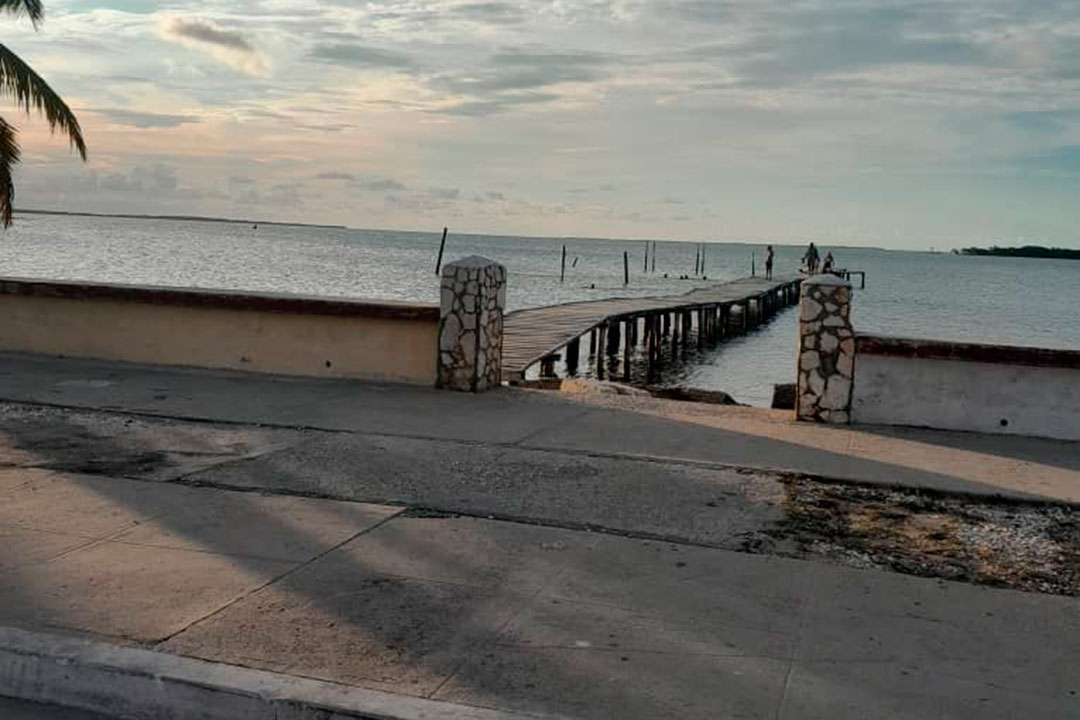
[573, 353]
[442, 246]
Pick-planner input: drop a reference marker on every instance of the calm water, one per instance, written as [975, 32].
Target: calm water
[997, 300]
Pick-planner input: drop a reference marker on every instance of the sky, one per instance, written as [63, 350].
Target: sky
[905, 124]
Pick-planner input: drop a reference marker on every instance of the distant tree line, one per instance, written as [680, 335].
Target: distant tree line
[1031, 251]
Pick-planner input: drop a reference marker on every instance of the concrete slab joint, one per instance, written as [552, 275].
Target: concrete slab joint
[472, 303]
[826, 356]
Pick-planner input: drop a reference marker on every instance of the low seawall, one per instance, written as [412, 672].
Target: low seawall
[966, 386]
[257, 332]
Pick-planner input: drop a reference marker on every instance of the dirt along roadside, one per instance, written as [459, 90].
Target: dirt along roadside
[1002, 543]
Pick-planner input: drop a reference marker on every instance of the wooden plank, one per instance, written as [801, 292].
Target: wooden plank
[533, 333]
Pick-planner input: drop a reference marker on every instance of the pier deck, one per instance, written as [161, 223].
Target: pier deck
[534, 335]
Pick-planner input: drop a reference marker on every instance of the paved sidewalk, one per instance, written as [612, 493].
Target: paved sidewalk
[518, 617]
[543, 421]
[467, 575]
[20, 710]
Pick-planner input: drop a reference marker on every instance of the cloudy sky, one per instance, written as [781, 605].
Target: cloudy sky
[907, 123]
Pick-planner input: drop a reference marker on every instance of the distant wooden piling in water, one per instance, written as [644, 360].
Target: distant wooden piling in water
[562, 268]
[654, 256]
[442, 246]
[646, 268]
[626, 267]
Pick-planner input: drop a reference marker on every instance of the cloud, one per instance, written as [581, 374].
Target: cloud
[225, 46]
[133, 118]
[494, 13]
[382, 184]
[376, 184]
[143, 178]
[444, 193]
[517, 77]
[480, 108]
[360, 56]
[511, 70]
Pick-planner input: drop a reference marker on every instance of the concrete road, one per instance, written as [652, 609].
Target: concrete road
[146, 531]
[22, 710]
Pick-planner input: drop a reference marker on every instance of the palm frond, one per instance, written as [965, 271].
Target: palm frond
[9, 157]
[33, 8]
[31, 92]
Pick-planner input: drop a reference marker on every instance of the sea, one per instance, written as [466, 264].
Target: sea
[1014, 301]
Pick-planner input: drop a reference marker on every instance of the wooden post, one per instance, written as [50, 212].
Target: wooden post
[697, 259]
[562, 268]
[628, 345]
[573, 352]
[626, 267]
[702, 258]
[613, 338]
[600, 351]
[700, 327]
[753, 270]
[592, 342]
[442, 246]
[547, 366]
[646, 268]
[665, 324]
[654, 256]
[722, 321]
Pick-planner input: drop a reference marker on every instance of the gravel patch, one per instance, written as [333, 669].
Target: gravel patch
[1032, 547]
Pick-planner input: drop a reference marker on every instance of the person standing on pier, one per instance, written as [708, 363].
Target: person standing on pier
[768, 262]
[811, 259]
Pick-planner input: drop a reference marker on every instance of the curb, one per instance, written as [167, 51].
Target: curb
[133, 683]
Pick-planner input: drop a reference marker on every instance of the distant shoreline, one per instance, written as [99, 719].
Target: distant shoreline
[1027, 251]
[191, 218]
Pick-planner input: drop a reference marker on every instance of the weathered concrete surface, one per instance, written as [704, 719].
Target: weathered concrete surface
[125, 445]
[667, 499]
[142, 561]
[528, 618]
[504, 614]
[22, 710]
[126, 682]
[256, 332]
[626, 426]
[995, 465]
[961, 395]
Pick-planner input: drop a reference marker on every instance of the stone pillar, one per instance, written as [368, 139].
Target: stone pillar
[473, 297]
[826, 351]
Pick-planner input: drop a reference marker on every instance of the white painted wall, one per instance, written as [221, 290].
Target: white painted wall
[966, 395]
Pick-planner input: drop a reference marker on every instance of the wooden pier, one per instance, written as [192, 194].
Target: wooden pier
[703, 316]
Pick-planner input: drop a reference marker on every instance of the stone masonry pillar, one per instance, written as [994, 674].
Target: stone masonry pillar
[472, 299]
[826, 351]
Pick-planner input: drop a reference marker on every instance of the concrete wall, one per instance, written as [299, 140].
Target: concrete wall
[963, 386]
[258, 332]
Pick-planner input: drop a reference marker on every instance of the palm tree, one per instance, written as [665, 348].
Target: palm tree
[19, 81]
